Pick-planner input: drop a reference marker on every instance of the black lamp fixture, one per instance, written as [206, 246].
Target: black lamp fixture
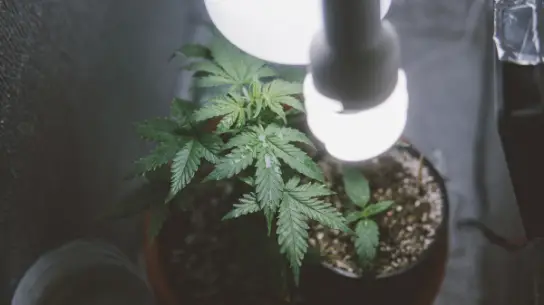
[356, 58]
[355, 84]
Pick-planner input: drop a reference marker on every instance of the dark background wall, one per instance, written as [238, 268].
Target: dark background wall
[74, 76]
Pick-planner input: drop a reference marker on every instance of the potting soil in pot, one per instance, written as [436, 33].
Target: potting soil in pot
[210, 261]
[407, 229]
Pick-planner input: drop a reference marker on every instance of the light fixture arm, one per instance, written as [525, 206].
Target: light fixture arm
[356, 58]
[351, 25]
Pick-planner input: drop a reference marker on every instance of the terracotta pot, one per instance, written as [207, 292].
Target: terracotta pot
[417, 284]
[158, 280]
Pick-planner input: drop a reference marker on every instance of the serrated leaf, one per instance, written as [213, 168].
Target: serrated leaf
[269, 214]
[248, 205]
[292, 183]
[292, 235]
[277, 109]
[232, 164]
[268, 180]
[374, 209]
[303, 197]
[241, 68]
[211, 147]
[292, 102]
[308, 190]
[218, 107]
[227, 122]
[181, 111]
[366, 241]
[157, 129]
[296, 158]
[248, 180]
[158, 216]
[158, 157]
[245, 138]
[293, 135]
[184, 166]
[322, 212]
[278, 88]
[356, 186]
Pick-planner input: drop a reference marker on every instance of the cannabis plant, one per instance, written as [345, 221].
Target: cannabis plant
[367, 235]
[243, 133]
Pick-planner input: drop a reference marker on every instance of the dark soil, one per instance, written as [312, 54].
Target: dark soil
[406, 230]
[209, 261]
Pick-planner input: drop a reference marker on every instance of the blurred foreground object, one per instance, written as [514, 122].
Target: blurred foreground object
[84, 273]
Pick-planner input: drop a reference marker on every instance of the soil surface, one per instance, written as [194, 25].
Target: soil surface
[406, 229]
[209, 261]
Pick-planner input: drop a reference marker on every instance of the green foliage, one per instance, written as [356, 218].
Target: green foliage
[366, 241]
[179, 144]
[260, 149]
[367, 234]
[356, 186]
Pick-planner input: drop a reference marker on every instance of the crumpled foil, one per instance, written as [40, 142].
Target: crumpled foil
[519, 31]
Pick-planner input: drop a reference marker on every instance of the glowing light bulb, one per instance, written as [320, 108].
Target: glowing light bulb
[279, 31]
[360, 135]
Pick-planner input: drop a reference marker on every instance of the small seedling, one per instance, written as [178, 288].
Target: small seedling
[367, 234]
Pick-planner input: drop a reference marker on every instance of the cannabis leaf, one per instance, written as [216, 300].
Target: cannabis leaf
[232, 164]
[184, 165]
[268, 180]
[248, 205]
[183, 151]
[295, 158]
[288, 134]
[356, 186]
[366, 230]
[304, 198]
[158, 157]
[278, 93]
[157, 129]
[248, 180]
[211, 147]
[228, 66]
[377, 208]
[366, 241]
[298, 204]
[181, 112]
[230, 107]
[292, 234]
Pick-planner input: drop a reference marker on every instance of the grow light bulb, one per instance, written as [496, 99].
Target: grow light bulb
[359, 135]
[279, 31]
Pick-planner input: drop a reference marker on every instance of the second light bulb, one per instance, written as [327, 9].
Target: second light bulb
[356, 136]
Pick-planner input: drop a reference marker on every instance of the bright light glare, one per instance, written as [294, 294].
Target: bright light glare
[361, 135]
[279, 31]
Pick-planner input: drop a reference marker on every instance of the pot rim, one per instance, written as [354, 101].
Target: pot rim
[408, 147]
[162, 286]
